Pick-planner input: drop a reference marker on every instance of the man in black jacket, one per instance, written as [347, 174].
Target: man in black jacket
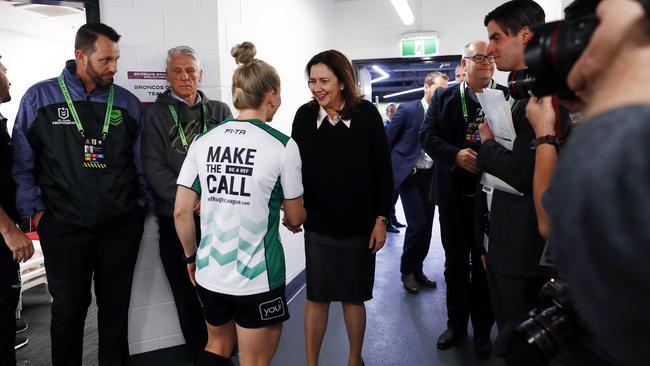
[170, 125]
[15, 246]
[450, 135]
[76, 166]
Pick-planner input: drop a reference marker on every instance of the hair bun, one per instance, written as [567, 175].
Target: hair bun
[243, 53]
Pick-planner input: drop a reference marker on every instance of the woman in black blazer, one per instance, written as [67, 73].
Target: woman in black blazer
[348, 187]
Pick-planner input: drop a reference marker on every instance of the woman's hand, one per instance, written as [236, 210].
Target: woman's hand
[377, 237]
[191, 270]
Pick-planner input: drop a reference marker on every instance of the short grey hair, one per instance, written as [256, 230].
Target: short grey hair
[466, 50]
[183, 50]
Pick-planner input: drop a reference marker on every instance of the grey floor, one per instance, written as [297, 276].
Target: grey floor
[402, 329]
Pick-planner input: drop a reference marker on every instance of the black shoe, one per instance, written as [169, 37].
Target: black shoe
[410, 284]
[449, 338]
[425, 281]
[391, 229]
[482, 345]
[21, 326]
[394, 222]
[20, 342]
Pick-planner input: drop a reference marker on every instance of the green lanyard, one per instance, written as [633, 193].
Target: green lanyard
[463, 85]
[181, 132]
[75, 116]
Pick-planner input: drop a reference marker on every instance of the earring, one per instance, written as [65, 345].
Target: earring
[342, 87]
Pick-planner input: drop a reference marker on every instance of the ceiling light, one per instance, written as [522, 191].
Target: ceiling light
[384, 74]
[403, 92]
[404, 11]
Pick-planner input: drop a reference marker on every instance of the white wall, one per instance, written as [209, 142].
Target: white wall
[286, 32]
[34, 47]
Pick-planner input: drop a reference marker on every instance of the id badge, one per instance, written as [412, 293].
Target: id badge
[94, 154]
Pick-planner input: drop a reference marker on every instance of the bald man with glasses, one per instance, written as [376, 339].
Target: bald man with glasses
[451, 137]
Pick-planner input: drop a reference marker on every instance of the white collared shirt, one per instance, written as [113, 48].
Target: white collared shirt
[322, 114]
[424, 161]
[198, 98]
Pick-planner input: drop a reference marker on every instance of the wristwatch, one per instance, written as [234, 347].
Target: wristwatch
[190, 259]
[548, 139]
[384, 220]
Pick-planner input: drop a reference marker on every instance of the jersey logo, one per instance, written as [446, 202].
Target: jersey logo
[116, 117]
[63, 113]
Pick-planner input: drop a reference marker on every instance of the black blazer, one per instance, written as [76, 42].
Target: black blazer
[515, 243]
[442, 136]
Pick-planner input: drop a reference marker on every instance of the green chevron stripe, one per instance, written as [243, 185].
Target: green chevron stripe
[205, 241]
[249, 248]
[251, 272]
[203, 262]
[223, 259]
[226, 235]
[253, 227]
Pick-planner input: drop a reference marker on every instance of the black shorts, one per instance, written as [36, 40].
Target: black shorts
[249, 311]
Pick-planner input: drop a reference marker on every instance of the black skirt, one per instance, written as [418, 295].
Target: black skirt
[339, 268]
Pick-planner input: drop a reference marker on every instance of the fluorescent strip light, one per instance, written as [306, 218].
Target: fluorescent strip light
[404, 11]
[384, 74]
[403, 92]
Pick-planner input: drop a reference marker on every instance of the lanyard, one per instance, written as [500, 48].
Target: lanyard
[181, 132]
[493, 85]
[75, 116]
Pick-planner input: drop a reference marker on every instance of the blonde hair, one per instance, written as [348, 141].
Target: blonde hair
[252, 79]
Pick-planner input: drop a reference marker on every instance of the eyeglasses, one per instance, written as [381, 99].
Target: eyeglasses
[478, 58]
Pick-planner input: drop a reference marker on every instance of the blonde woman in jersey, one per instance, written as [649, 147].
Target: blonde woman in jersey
[243, 170]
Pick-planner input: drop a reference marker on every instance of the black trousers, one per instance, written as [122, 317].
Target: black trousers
[8, 302]
[512, 296]
[74, 256]
[467, 289]
[392, 208]
[190, 314]
[419, 220]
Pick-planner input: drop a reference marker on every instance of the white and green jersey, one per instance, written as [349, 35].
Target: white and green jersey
[243, 170]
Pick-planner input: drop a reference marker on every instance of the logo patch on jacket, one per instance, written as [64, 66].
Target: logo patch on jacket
[116, 117]
[63, 113]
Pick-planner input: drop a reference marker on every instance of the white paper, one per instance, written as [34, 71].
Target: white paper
[491, 182]
[499, 116]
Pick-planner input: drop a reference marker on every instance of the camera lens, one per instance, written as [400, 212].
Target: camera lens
[545, 331]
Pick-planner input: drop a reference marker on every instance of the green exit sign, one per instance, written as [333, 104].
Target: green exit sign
[424, 46]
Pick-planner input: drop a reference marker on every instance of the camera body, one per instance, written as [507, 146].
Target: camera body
[548, 327]
[553, 50]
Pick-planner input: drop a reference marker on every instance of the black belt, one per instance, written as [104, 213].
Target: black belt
[420, 171]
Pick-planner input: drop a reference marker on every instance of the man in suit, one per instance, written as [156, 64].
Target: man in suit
[450, 136]
[412, 171]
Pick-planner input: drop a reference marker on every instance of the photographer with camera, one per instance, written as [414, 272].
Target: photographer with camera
[515, 245]
[598, 199]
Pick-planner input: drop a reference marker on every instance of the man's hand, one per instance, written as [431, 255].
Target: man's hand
[466, 159]
[619, 20]
[20, 245]
[377, 237]
[197, 207]
[541, 116]
[485, 131]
